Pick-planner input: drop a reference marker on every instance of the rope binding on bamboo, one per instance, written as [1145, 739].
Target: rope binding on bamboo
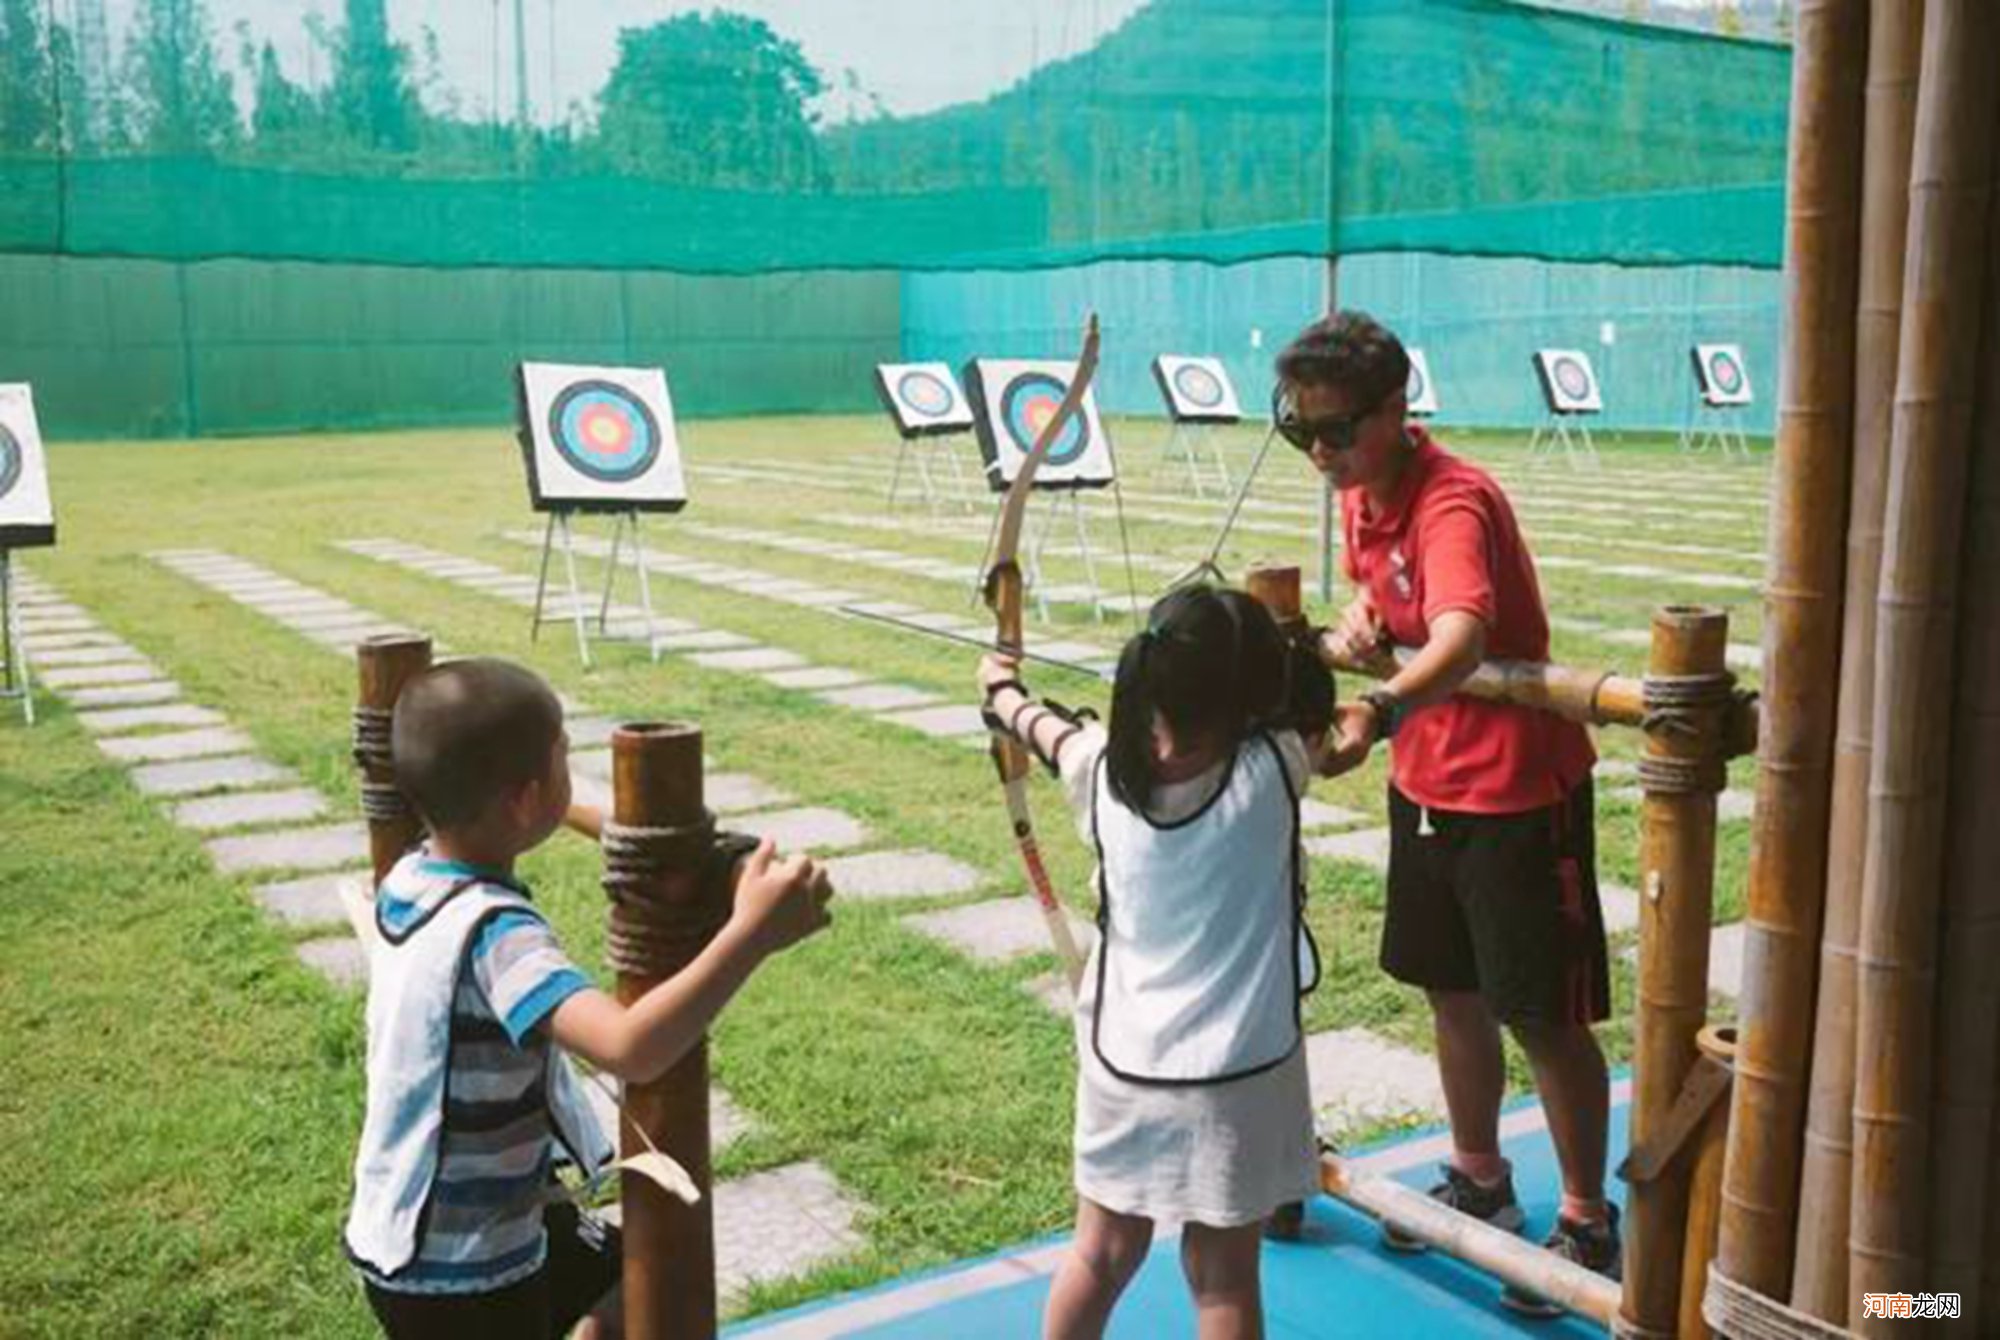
[1741, 1313]
[382, 802]
[1676, 705]
[651, 935]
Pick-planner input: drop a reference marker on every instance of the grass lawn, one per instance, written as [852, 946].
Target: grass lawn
[183, 1097]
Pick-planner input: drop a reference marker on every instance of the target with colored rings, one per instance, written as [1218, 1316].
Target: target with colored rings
[925, 394]
[1413, 391]
[10, 461]
[1198, 386]
[1026, 406]
[604, 431]
[1571, 379]
[1725, 373]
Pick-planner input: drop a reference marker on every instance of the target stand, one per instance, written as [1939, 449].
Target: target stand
[597, 439]
[1723, 391]
[930, 414]
[16, 682]
[1199, 396]
[1570, 390]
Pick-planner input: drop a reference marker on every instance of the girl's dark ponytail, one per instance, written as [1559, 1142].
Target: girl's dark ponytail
[1128, 751]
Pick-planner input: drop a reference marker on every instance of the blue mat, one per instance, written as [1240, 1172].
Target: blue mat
[1337, 1282]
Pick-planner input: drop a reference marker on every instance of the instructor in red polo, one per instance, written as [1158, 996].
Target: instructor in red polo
[1492, 889]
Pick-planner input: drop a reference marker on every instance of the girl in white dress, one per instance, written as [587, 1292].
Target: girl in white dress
[1192, 1104]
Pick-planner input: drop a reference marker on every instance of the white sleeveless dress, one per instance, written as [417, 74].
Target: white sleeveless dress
[1192, 1102]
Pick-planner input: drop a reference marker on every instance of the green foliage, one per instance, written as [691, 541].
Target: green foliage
[27, 113]
[175, 98]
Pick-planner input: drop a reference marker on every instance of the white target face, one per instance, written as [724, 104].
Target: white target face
[1013, 399]
[922, 398]
[600, 438]
[1197, 390]
[27, 517]
[1720, 374]
[1421, 391]
[1569, 383]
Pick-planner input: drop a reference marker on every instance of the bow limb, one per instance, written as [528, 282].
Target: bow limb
[1004, 596]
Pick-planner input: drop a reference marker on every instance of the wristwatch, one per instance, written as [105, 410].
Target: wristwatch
[1389, 710]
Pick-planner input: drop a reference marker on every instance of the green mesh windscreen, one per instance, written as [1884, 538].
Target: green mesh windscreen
[877, 134]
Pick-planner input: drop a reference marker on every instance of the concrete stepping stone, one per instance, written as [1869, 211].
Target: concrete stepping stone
[877, 697]
[708, 639]
[1319, 814]
[1367, 846]
[32, 624]
[1731, 806]
[736, 792]
[51, 642]
[1725, 960]
[889, 609]
[774, 1225]
[177, 745]
[302, 903]
[87, 676]
[1359, 1079]
[1078, 652]
[342, 960]
[304, 607]
[115, 654]
[595, 763]
[823, 597]
[816, 677]
[944, 722]
[809, 828]
[250, 808]
[236, 773]
[900, 874]
[750, 658]
[120, 695]
[327, 847]
[118, 720]
[997, 930]
[589, 732]
[727, 1123]
[1052, 990]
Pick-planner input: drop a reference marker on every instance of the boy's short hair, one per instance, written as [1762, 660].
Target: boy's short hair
[468, 733]
[1351, 352]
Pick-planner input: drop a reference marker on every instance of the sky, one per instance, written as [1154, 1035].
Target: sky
[914, 55]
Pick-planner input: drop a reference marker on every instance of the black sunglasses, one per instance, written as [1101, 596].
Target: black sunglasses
[1337, 431]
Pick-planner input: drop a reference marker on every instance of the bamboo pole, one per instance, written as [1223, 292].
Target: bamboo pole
[1819, 1269]
[661, 917]
[1896, 967]
[1592, 697]
[385, 665]
[1801, 642]
[1681, 772]
[1969, 991]
[1704, 1221]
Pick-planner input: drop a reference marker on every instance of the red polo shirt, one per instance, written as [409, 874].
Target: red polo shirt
[1449, 541]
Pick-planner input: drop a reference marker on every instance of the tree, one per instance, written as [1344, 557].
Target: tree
[28, 120]
[373, 99]
[176, 98]
[284, 111]
[712, 100]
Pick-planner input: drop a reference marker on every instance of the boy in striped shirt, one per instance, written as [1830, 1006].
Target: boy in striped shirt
[473, 1008]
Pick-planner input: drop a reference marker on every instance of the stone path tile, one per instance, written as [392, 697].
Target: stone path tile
[1358, 1078]
[1368, 846]
[312, 901]
[209, 774]
[806, 829]
[327, 847]
[588, 732]
[117, 720]
[1319, 814]
[816, 677]
[179, 745]
[950, 720]
[877, 697]
[340, 959]
[1052, 990]
[51, 642]
[996, 931]
[773, 1225]
[117, 654]
[751, 658]
[303, 609]
[708, 639]
[86, 676]
[735, 792]
[1725, 960]
[33, 625]
[251, 808]
[727, 1123]
[900, 874]
[1731, 806]
[118, 695]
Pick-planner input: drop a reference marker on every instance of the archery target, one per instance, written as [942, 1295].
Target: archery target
[1568, 381]
[1197, 390]
[600, 439]
[1720, 374]
[27, 518]
[1421, 392]
[1013, 399]
[922, 398]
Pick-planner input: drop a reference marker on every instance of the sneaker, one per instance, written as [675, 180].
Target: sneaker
[1592, 1246]
[1494, 1205]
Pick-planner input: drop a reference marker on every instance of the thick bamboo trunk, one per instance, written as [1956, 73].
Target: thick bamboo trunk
[1682, 771]
[661, 917]
[1801, 646]
[1704, 1219]
[1969, 991]
[1895, 44]
[385, 665]
[1896, 967]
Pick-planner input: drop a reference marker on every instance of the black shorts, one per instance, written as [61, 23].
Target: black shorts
[1501, 904]
[586, 1257]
